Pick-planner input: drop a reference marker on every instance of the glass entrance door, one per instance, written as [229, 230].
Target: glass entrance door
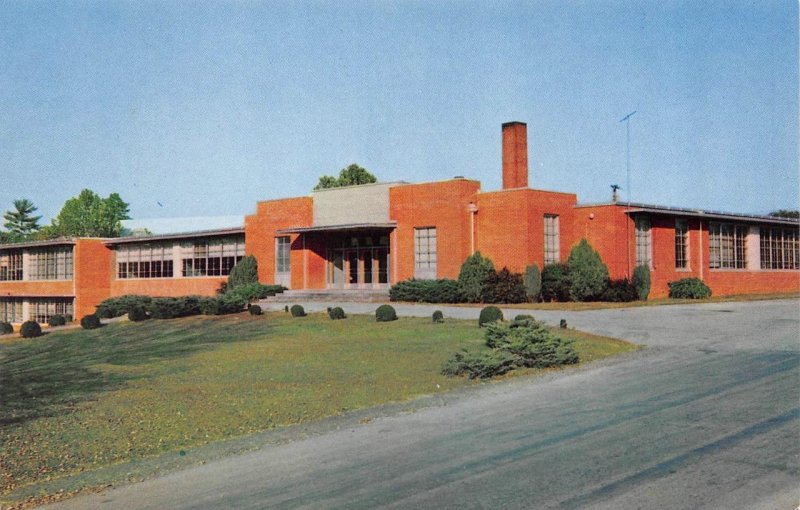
[359, 263]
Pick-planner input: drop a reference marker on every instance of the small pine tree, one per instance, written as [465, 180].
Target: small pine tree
[533, 282]
[641, 280]
[474, 272]
[588, 274]
[243, 273]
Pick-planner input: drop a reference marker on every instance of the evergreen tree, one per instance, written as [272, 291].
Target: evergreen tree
[474, 272]
[20, 221]
[588, 274]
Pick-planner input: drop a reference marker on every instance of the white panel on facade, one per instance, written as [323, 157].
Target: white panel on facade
[368, 203]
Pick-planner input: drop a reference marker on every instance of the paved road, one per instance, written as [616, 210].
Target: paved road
[709, 417]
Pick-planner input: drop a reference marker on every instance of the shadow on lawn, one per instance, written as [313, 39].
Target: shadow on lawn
[44, 376]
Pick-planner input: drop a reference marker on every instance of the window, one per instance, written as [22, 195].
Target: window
[282, 249]
[50, 264]
[727, 243]
[11, 266]
[644, 248]
[551, 239]
[11, 310]
[42, 309]
[779, 248]
[425, 253]
[681, 244]
[211, 257]
[145, 261]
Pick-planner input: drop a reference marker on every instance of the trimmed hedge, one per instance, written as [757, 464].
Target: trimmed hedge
[336, 313]
[255, 310]
[437, 317]
[6, 328]
[57, 320]
[90, 322]
[252, 291]
[30, 329]
[689, 288]
[119, 306]
[489, 314]
[426, 291]
[619, 291]
[137, 314]
[503, 287]
[297, 311]
[385, 313]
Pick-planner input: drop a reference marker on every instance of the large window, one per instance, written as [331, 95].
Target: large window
[211, 257]
[50, 264]
[727, 246]
[282, 249]
[40, 310]
[11, 309]
[644, 246]
[144, 261]
[551, 239]
[779, 248]
[11, 266]
[425, 253]
[681, 244]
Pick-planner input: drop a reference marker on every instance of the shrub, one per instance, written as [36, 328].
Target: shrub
[641, 281]
[588, 274]
[244, 272]
[297, 311]
[426, 291]
[472, 276]
[503, 287]
[221, 305]
[437, 317]
[6, 328]
[689, 288]
[255, 310]
[555, 282]
[523, 317]
[137, 314]
[90, 322]
[119, 306]
[533, 282]
[482, 364]
[385, 313]
[619, 291]
[174, 307]
[57, 320]
[336, 313]
[252, 291]
[30, 329]
[490, 314]
[286, 308]
[67, 318]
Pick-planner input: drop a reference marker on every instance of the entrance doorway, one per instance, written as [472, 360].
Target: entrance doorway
[362, 262]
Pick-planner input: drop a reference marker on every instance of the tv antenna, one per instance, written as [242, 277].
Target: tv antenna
[627, 120]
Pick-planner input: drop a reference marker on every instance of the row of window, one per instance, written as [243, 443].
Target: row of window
[207, 257]
[39, 309]
[55, 263]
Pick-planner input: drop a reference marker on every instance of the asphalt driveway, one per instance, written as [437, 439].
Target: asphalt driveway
[707, 417]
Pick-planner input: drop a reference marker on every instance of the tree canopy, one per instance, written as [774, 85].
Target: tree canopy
[786, 213]
[348, 176]
[20, 221]
[90, 215]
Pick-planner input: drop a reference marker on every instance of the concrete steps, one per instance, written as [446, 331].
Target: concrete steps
[332, 295]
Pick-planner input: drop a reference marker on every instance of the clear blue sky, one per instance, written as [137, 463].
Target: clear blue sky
[208, 107]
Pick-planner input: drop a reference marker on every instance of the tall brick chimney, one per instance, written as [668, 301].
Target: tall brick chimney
[515, 155]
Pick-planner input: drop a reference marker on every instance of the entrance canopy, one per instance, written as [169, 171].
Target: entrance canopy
[348, 227]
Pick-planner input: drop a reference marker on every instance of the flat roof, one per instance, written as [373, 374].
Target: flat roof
[181, 235]
[697, 213]
[61, 241]
[336, 228]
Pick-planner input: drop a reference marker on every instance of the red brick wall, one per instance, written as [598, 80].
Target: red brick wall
[511, 226]
[444, 205]
[93, 274]
[168, 287]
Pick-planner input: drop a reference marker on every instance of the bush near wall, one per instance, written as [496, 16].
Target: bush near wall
[533, 282]
[474, 271]
[6, 328]
[503, 287]
[122, 305]
[619, 291]
[689, 288]
[641, 281]
[588, 274]
[57, 320]
[253, 291]
[91, 321]
[426, 291]
[30, 329]
[555, 282]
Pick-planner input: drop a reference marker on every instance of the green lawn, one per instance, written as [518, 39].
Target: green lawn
[75, 400]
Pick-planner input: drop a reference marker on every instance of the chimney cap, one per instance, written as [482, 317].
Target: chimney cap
[514, 122]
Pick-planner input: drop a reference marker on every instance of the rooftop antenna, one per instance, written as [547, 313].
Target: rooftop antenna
[627, 120]
[614, 194]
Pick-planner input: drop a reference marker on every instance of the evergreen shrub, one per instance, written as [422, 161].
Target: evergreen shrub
[588, 274]
[57, 320]
[503, 287]
[489, 314]
[619, 291]
[30, 329]
[641, 281]
[426, 291]
[472, 276]
[533, 282]
[244, 272]
[385, 313]
[336, 313]
[91, 321]
[689, 288]
[255, 310]
[6, 328]
[437, 317]
[555, 282]
[119, 306]
[137, 314]
[297, 311]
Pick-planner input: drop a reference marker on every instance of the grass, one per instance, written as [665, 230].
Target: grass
[76, 400]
